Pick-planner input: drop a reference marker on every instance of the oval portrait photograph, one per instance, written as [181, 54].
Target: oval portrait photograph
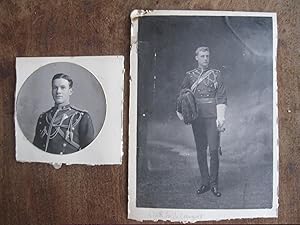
[61, 108]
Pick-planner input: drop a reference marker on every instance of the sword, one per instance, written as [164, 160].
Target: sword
[220, 130]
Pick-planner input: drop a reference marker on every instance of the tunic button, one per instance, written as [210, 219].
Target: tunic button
[64, 144]
[73, 128]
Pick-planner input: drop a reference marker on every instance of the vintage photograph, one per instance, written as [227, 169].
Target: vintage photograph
[61, 106]
[64, 123]
[203, 110]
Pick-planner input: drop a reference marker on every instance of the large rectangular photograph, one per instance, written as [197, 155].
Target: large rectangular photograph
[203, 110]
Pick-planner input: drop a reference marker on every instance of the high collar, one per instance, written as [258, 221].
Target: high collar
[56, 107]
[201, 69]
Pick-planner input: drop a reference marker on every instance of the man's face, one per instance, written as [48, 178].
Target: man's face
[61, 91]
[203, 58]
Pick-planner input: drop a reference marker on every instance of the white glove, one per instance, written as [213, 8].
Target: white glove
[179, 115]
[221, 108]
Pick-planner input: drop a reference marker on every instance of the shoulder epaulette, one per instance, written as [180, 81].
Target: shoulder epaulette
[45, 113]
[191, 71]
[77, 109]
[49, 110]
[216, 71]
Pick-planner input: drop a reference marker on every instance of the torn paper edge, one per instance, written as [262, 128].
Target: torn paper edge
[102, 151]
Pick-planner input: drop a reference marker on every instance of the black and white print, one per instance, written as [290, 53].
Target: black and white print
[62, 106]
[216, 160]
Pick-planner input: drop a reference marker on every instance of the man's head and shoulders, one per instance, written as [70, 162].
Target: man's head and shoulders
[202, 56]
[62, 89]
[64, 123]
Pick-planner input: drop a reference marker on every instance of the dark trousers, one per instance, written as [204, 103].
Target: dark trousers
[206, 134]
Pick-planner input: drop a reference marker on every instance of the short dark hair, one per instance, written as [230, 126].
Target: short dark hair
[64, 76]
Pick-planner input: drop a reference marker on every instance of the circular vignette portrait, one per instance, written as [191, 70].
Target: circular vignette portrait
[61, 108]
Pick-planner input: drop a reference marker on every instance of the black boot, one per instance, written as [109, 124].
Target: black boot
[215, 191]
[203, 189]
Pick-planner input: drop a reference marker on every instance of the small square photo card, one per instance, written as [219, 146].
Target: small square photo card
[68, 110]
[203, 131]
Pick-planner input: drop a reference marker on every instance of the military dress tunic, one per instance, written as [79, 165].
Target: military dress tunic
[63, 130]
[208, 93]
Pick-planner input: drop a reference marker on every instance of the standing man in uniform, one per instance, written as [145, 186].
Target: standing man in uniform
[63, 129]
[207, 88]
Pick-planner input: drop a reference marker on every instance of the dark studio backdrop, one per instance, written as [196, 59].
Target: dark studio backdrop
[241, 48]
